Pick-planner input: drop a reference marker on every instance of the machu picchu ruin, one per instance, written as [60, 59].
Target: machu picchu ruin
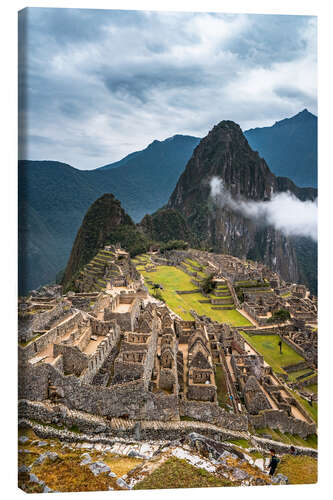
[141, 351]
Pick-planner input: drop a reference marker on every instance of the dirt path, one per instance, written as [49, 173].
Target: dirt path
[231, 371]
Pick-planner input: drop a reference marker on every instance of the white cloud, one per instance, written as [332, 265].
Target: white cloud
[283, 211]
[131, 77]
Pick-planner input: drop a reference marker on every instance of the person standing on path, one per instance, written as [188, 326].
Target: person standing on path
[273, 463]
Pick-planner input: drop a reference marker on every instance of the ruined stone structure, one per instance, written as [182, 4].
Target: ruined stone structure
[116, 352]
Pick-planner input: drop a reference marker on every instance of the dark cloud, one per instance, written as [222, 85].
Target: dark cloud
[100, 84]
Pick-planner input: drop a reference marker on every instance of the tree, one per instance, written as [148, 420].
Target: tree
[208, 284]
[280, 316]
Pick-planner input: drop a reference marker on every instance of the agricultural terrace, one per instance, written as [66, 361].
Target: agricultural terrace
[267, 345]
[173, 279]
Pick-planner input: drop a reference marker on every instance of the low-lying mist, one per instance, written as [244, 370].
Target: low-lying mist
[283, 211]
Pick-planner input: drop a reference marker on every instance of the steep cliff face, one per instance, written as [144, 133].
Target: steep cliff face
[226, 154]
[167, 224]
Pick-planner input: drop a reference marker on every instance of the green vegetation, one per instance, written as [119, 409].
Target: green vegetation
[222, 390]
[177, 473]
[243, 443]
[165, 225]
[267, 345]
[104, 223]
[309, 442]
[130, 239]
[280, 316]
[299, 469]
[157, 294]
[311, 409]
[208, 285]
[173, 245]
[184, 418]
[172, 279]
[35, 337]
[311, 388]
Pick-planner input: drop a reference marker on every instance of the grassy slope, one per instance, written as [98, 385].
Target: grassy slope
[173, 279]
[309, 442]
[311, 388]
[312, 410]
[177, 473]
[65, 473]
[298, 469]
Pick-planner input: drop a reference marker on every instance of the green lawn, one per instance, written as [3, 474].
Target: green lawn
[267, 345]
[243, 443]
[172, 279]
[293, 376]
[311, 388]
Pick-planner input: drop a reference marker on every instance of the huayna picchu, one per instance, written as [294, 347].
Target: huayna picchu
[225, 154]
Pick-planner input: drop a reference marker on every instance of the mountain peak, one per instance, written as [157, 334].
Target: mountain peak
[103, 218]
[301, 116]
[289, 147]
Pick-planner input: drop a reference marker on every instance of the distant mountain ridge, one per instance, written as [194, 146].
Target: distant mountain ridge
[176, 140]
[57, 195]
[289, 147]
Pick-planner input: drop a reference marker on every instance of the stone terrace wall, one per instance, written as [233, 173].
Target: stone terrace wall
[233, 294]
[129, 399]
[278, 419]
[39, 321]
[212, 413]
[91, 424]
[49, 337]
[294, 346]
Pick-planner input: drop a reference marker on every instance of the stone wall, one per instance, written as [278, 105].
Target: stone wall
[99, 429]
[129, 400]
[278, 419]
[126, 320]
[49, 337]
[40, 321]
[201, 392]
[294, 346]
[214, 414]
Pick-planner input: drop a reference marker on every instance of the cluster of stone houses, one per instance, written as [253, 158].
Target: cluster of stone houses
[120, 353]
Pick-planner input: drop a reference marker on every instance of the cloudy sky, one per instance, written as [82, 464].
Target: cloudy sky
[101, 84]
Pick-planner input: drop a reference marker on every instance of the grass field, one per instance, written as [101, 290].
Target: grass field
[311, 388]
[177, 473]
[173, 279]
[65, 474]
[299, 469]
[267, 345]
[293, 376]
